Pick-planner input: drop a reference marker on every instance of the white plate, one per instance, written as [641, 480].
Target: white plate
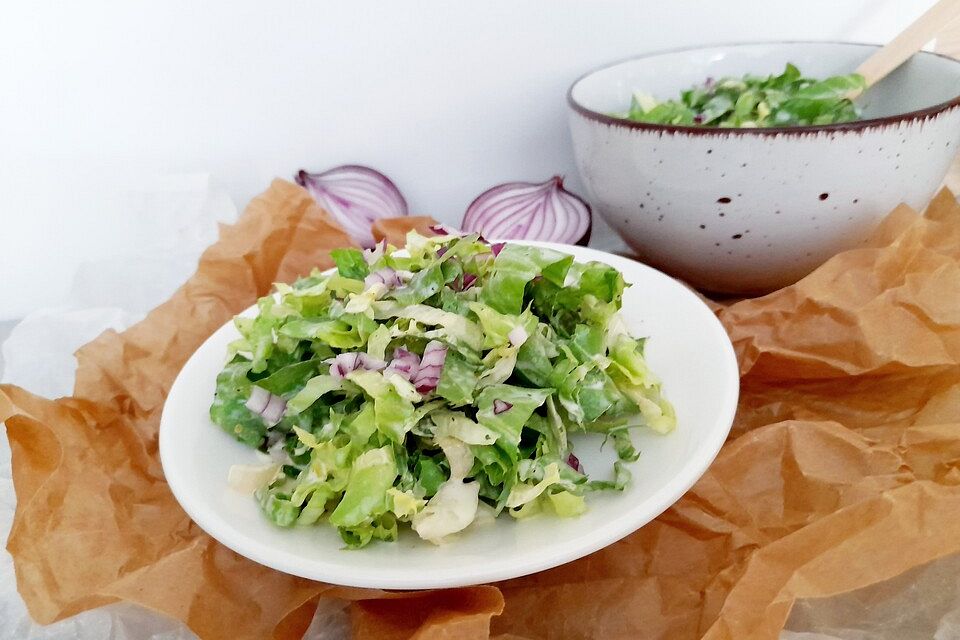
[688, 349]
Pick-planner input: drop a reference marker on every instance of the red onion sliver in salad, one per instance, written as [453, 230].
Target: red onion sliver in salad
[355, 196]
[267, 405]
[273, 413]
[431, 366]
[499, 406]
[259, 397]
[574, 462]
[406, 364]
[385, 276]
[530, 211]
[344, 363]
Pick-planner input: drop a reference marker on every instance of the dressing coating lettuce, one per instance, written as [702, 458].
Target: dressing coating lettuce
[432, 389]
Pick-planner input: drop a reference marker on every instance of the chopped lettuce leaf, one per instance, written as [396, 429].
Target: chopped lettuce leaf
[516, 266]
[458, 380]
[515, 406]
[452, 509]
[566, 504]
[786, 99]
[229, 405]
[371, 475]
[454, 424]
[350, 263]
[526, 492]
[311, 392]
[457, 328]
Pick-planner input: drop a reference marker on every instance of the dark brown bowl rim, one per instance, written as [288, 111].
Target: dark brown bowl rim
[718, 131]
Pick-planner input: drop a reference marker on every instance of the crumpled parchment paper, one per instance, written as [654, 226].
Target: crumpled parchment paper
[841, 471]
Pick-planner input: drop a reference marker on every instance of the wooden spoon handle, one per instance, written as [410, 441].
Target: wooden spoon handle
[909, 41]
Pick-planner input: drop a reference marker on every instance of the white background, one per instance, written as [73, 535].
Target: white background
[98, 98]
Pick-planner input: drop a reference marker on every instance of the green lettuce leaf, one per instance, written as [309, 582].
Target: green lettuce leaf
[392, 402]
[514, 267]
[229, 409]
[424, 284]
[458, 380]
[311, 392]
[455, 328]
[497, 326]
[291, 378]
[508, 423]
[350, 263]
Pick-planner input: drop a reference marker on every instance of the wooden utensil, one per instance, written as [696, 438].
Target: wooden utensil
[908, 42]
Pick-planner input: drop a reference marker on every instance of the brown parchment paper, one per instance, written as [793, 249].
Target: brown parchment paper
[842, 470]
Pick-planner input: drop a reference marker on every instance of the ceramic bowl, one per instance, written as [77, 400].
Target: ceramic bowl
[750, 210]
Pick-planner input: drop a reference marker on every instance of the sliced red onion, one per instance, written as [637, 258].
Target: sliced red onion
[497, 247]
[499, 406]
[355, 196]
[517, 336]
[273, 413]
[344, 363]
[385, 276]
[463, 282]
[259, 397]
[431, 367]
[444, 230]
[574, 463]
[372, 254]
[530, 211]
[266, 405]
[405, 364]
[441, 251]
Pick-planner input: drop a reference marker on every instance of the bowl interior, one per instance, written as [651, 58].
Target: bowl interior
[924, 81]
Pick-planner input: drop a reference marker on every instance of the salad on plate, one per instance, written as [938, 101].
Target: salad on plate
[434, 388]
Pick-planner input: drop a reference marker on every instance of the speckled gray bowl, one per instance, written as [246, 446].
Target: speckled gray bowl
[750, 210]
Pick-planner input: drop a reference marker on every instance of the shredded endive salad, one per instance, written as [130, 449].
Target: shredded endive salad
[434, 388]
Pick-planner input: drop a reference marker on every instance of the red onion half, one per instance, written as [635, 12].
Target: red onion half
[530, 211]
[355, 196]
